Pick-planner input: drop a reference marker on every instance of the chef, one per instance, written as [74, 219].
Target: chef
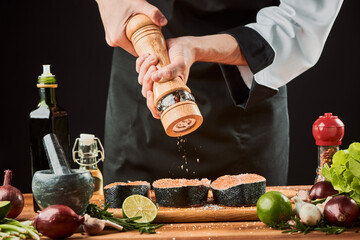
[236, 56]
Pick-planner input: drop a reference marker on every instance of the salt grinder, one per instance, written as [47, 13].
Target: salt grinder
[179, 113]
[328, 131]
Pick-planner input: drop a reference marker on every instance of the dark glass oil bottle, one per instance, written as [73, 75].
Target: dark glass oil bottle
[48, 117]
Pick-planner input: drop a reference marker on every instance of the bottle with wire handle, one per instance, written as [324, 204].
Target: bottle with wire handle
[86, 153]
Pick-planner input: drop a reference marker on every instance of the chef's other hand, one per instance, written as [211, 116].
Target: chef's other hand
[151, 106]
[145, 66]
[181, 58]
[183, 52]
[115, 14]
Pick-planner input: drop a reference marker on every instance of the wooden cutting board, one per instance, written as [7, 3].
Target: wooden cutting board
[210, 212]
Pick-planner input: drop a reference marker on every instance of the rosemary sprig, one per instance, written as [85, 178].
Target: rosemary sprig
[330, 229]
[101, 213]
[298, 227]
[128, 224]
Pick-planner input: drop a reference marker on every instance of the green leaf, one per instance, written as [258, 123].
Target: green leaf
[338, 179]
[325, 171]
[355, 185]
[337, 170]
[354, 150]
[340, 158]
[356, 197]
[354, 167]
[345, 181]
[344, 173]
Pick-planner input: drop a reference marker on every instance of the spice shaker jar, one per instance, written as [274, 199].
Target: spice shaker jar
[328, 131]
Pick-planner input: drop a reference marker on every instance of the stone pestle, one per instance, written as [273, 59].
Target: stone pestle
[58, 162]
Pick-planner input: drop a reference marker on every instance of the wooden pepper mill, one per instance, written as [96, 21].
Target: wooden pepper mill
[179, 113]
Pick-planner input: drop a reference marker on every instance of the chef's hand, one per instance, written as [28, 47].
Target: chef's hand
[183, 52]
[115, 14]
[181, 56]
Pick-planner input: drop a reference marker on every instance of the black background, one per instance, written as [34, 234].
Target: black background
[69, 35]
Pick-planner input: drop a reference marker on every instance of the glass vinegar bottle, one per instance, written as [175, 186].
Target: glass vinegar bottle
[88, 152]
[48, 117]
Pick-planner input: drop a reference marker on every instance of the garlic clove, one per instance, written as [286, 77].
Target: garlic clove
[93, 226]
[310, 214]
[298, 204]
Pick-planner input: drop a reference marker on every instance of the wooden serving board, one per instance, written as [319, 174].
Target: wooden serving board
[210, 212]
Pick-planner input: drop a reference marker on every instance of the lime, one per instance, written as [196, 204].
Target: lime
[138, 205]
[4, 208]
[273, 207]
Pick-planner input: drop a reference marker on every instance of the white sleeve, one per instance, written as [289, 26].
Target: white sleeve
[296, 30]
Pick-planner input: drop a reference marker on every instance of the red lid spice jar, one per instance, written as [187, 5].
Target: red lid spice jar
[328, 131]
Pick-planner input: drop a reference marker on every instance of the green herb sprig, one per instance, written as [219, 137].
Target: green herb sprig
[128, 224]
[321, 200]
[299, 227]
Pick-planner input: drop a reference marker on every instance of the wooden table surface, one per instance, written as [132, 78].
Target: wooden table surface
[202, 230]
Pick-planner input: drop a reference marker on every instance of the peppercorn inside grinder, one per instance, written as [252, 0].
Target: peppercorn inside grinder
[179, 113]
[328, 131]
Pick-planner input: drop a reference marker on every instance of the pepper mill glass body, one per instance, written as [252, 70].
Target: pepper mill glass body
[325, 154]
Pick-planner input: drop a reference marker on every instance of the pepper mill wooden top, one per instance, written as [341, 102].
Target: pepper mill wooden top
[183, 117]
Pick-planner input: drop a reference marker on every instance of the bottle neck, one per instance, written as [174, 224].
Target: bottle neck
[48, 96]
[90, 163]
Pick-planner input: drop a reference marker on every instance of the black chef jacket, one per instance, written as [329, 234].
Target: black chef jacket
[244, 130]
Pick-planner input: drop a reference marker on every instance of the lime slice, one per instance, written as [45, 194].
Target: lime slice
[138, 205]
[4, 208]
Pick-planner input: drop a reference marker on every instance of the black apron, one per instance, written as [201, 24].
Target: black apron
[231, 140]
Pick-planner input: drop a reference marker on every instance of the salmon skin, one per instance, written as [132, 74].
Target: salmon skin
[116, 193]
[238, 190]
[181, 192]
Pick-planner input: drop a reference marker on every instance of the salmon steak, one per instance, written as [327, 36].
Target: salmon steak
[116, 193]
[238, 190]
[181, 192]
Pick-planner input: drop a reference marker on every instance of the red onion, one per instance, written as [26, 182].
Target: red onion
[322, 189]
[12, 194]
[57, 221]
[341, 211]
